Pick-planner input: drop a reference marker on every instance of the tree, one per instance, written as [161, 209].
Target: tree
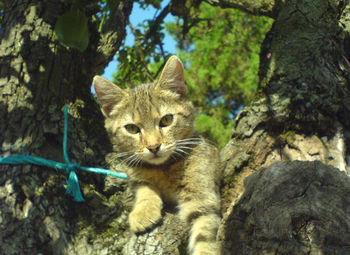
[303, 90]
[39, 76]
[299, 112]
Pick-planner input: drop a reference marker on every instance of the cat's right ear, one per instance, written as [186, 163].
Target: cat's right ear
[173, 77]
[108, 94]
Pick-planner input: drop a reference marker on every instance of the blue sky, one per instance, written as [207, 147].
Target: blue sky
[137, 16]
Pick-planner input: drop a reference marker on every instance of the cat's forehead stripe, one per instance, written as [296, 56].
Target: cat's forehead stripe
[145, 106]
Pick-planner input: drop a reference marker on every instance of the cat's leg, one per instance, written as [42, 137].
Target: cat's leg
[147, 209]
[202, 239]
[202, 215]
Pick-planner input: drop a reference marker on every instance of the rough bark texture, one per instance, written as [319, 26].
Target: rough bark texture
[169, 238]
[290, 208]
[299, 112]
[38, 76]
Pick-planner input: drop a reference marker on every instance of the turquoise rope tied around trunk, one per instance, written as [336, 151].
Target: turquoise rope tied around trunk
[73, 187]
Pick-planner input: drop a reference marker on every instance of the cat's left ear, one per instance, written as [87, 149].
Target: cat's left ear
[173, 77]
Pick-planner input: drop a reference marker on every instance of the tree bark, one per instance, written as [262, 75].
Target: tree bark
[300, 109]
[38, 76]
[290, 208]
[300, 113]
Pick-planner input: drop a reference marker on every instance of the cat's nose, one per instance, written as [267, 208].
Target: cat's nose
[154, 148]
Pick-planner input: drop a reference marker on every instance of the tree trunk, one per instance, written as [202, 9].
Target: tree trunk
[301, 112]
[38, 76]
[301, 108]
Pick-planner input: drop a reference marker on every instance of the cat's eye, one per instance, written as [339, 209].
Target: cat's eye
[166, 120]
[132, 129]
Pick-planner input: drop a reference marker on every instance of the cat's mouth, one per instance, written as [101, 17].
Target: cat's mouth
[156, 159]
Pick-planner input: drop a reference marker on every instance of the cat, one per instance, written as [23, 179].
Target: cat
[152, 127]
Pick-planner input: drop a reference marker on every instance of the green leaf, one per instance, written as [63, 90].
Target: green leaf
[213, 129]
[2, 6]
[72, 29]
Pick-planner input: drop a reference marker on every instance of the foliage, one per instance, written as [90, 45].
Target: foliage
[72, 29]
[222, 53]
[143, 61]
[214, 128]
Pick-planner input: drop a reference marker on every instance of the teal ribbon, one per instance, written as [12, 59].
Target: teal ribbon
[73, 187]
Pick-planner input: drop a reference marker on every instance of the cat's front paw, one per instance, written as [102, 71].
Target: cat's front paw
[144, 217]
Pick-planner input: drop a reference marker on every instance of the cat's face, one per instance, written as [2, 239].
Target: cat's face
[152, 122]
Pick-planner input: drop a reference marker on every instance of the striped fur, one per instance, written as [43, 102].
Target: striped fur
[151, 126]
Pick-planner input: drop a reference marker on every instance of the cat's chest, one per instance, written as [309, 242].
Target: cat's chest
[168, 179]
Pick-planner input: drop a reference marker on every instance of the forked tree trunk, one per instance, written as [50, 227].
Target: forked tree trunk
[38, 76]
[301, 112]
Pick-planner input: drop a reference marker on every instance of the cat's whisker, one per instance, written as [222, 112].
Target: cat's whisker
[121, 155]
[182, 151]
[191, 140]
[133, 163]
[128, 160]
[196, 140]
[172, 145]
[135, 160]
[185, 147]
[188, 144]
[123, 152]
[178, 154]
[139, 161]
[125, 161]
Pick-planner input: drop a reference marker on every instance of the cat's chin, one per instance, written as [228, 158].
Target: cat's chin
[156, 160]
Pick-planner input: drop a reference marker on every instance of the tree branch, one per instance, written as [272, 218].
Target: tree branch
[269, 8]
[111, 40]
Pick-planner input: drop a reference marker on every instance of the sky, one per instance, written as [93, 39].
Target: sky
[137, 16]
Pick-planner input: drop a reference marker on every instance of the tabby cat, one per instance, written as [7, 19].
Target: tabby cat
[152, 127]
